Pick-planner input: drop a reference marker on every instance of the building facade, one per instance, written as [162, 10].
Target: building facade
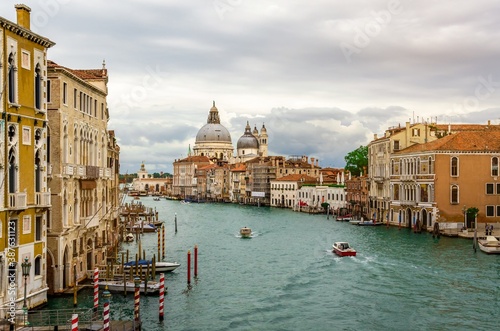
[25, 203]
[84, 162]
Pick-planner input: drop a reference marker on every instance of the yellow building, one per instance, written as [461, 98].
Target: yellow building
[23, 161]
[83, 227]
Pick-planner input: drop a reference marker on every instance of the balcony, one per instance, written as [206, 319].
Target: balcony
[17, 201]
[68, 170]
[42, 199]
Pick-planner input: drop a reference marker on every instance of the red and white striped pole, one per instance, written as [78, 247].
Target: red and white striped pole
[163, 242]
[162, 295]
[105, 313]
[137, 301]
[96, 289]
[74, 322]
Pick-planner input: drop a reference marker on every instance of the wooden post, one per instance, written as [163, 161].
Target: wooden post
[163, 242]
[159, 242]
[189, 267]
[96, 289]
[75, 288]
[175, 222]
[195, 261]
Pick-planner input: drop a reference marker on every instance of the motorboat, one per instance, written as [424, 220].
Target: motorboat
[142, 227]
[160, 266]
[354, 222]
[370, 223]
[342, 248]
[245, 232]
[490, 245]
[129, 286]
[346, 218]
[129, 238]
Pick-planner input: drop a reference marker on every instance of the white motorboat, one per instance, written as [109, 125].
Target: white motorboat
[160, 266]
[490, 245]
[245, 232]
[129, 237]
[118, 286]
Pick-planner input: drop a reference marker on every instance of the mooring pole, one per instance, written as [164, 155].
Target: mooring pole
[189, 267]
[162, 295]
[175, 222]
[195, 261]
[163, 242]
[96, 289]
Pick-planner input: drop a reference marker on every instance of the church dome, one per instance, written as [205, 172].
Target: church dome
[213, 131]
[247, 140]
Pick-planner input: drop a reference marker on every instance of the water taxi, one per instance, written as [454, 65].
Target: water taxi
[342, 248]
[245, 232]
[490, 245]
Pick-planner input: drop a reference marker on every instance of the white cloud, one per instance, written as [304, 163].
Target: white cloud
[278, 63]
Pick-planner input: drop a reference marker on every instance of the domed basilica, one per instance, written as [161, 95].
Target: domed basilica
[214, 141]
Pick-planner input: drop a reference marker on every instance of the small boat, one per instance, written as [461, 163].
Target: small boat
[129, 238]
[370, 223]
[118, 286]
[156, 199]
[354, 222]
[245, 232]
[160, 266]
[342, 248]
[490, 245]
[185, 202]
[347, 218]
[144, 227]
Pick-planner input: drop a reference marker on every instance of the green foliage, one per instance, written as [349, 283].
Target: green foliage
[356, 160]
[472, 212]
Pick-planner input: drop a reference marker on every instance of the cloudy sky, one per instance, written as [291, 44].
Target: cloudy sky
[324, 76]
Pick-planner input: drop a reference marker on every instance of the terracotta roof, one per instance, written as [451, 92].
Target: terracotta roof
[464, 141]
[239, 167]
[466, 127]
[86, 74]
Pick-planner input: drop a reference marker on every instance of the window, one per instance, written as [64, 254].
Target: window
[454, 194]
[11, 78]
[65, 94]
[490, 211]
[498, 210]
[396, 145]
[75, 96]
[489, 188]
[38, 228]
[38, 265]
[48, 92]
[498, 188]
[38, 87]
[494, 166]
[454, 167]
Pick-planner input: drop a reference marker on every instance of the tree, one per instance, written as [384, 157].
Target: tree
[357, 160]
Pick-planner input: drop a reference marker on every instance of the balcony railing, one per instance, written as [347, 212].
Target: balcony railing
[17, 200]
[42, 199]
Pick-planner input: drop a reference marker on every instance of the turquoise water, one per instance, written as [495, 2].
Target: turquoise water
[287, 278]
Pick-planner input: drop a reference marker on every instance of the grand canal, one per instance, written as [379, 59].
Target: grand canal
[286, 277]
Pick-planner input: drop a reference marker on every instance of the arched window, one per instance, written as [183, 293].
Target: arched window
[38, 265]
[494, 166]
[38, 87]
[11, 77]
[454, 194]
[454, 166]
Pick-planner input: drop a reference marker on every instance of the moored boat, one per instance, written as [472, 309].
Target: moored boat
[490, 245]
[160, 266]
[370, 223]
[245, 232]
[129, 286]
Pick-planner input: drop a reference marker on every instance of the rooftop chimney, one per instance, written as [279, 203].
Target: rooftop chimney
[23, 16]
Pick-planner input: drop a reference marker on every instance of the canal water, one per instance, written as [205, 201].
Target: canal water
[286, 277]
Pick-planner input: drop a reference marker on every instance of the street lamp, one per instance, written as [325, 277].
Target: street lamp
[25, 266]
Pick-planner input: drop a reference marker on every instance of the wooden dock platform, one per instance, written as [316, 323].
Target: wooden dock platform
[95, 326]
